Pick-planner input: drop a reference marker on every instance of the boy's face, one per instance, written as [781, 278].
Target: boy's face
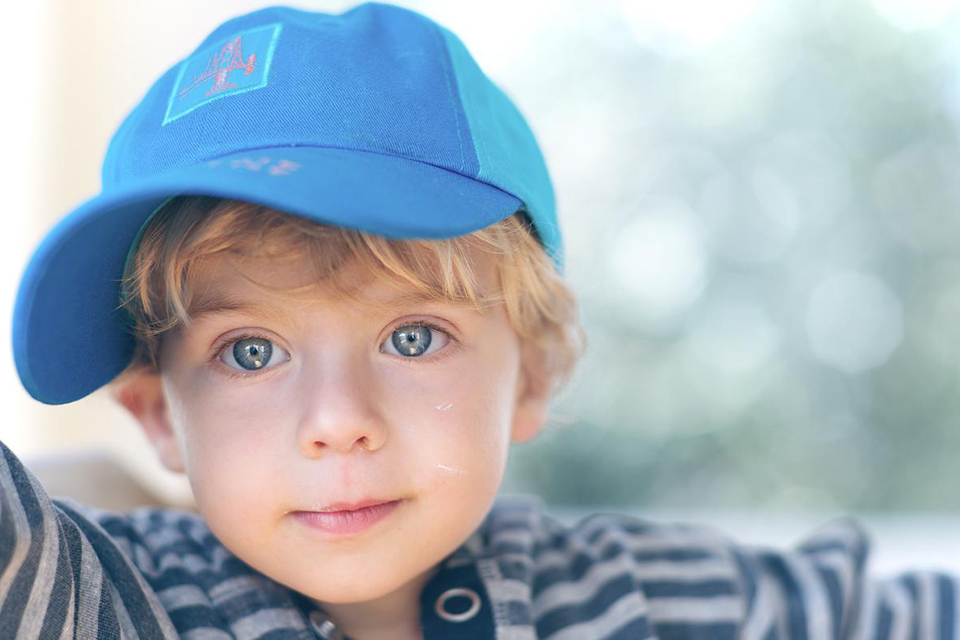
[334, 413]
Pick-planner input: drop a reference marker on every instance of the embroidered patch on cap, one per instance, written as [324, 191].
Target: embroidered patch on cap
[235, 65]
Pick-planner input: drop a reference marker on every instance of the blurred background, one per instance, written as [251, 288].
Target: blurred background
[760, 206]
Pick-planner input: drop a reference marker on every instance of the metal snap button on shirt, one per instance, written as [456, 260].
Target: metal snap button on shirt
[470, 594]
[455, 603]
[324, 626]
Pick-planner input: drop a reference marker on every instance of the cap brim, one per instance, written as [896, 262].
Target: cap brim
[68, 335]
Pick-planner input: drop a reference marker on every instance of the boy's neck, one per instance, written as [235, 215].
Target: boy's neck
[394, 616]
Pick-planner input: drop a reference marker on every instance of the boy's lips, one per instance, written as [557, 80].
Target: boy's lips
[342, 518]
[353, 506]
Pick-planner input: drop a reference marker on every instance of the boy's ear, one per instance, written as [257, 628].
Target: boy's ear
[141, 393]
[533, 396]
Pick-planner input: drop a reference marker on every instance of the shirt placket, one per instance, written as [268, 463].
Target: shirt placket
[453, 604]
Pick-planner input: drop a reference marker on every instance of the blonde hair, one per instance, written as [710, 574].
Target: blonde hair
[157, 292]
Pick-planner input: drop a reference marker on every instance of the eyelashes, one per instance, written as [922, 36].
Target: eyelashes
[254, 353]
[411, 336]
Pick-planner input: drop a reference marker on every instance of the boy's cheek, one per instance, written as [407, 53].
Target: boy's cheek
[461, 468]
[225, 451]
[234, 488]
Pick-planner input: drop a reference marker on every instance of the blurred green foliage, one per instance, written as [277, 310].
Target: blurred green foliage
[764, 233]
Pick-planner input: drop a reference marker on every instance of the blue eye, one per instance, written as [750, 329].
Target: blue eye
[252, 354]
[414, 339]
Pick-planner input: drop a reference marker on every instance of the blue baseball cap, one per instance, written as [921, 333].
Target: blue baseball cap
[376, 119]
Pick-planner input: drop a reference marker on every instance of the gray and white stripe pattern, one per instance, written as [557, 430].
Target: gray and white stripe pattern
[70, 571]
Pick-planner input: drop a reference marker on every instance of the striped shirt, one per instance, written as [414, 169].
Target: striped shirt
[70, 571]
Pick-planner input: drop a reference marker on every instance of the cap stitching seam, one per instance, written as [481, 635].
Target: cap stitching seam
[446, 78]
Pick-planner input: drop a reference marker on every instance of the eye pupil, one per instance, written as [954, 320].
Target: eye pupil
[252, 353]
[412, 340]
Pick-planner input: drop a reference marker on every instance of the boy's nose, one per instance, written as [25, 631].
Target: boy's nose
[340, 415]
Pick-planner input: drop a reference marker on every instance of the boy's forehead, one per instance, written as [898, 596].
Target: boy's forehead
[251, 299]
[256, 284]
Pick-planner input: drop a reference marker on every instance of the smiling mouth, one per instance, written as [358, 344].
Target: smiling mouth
[338, 519]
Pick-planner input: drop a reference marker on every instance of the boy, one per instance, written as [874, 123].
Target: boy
[324, 276]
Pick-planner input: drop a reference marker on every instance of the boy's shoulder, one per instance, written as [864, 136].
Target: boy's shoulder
[528, 522]
[155, 527]
[181, 560]
[158, 541]
[668, 579]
